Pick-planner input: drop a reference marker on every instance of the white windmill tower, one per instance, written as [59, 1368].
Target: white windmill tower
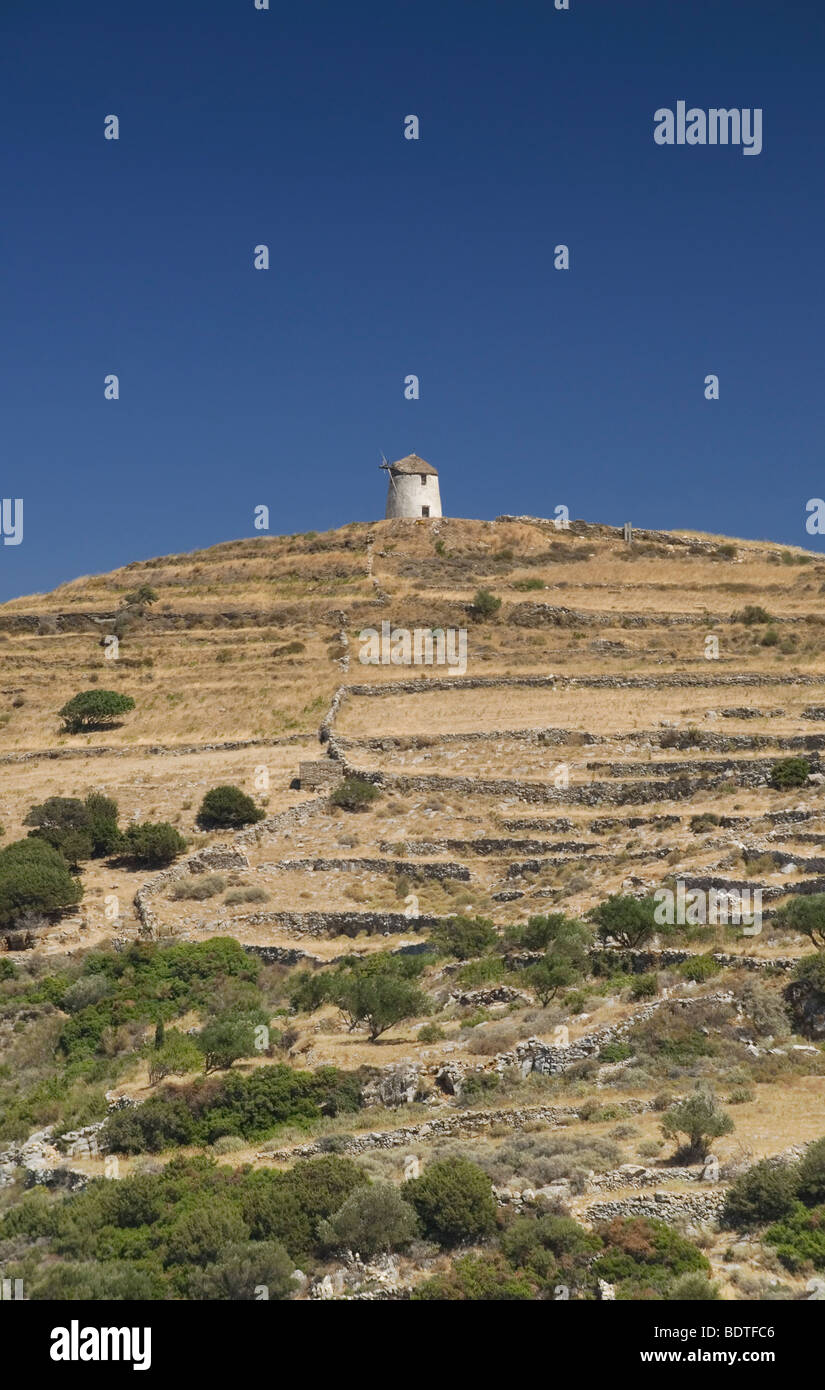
[413, 488]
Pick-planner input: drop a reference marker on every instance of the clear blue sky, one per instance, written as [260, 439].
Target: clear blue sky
[390, 257]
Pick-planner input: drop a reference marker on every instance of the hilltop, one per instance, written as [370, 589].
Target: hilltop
[618, 728]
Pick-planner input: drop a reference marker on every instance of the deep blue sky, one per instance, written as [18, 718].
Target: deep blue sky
[538, 387]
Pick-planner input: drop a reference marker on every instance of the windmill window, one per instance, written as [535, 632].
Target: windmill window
[425, 511]
[423, 480]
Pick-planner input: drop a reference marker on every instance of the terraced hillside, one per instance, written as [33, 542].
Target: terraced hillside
[631, 717]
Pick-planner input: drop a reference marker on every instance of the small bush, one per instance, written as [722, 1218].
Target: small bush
[615, 1052]
[699, 969]
[226, 807]
[355, 794]
[750, 614]
[197, 887]
[805, 914]
[372, 1219]
[766, 1192]
[464, 937]
[153, 844]
[485, 604]
[431, 1033]
[255, 894]
[700, 1118]
[811, 1175]
[34, 878]
[789, 772]
[454, 1201]
[227, 1144]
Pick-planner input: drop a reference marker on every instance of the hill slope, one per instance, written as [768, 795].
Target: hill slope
[616, 729]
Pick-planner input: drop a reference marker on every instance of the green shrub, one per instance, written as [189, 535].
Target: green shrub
[34, 878]
[177, 1055]
[805, 914]
[699, 1117]
[539, 932]
[354, 794]
[699, 968]
[644, 1257]
[371, 1220]
[806, 992]
[463, 937]
[454, 1201]
[766, 1192]
[153, 844]
[566, 960]
[430, 1033]
[750, 614]
[102, 814]
[485, 604]
[477, 1278]
[86, 991]
[199, 1237]
[63, 823]
[227, 807]
[379, 991]
[693, 1288]
[630, 921]
[764, 1008]
[94, 709]
[799, 1239]
[811, 1175]
[252, 1106]
[644, 987]
[240, 1271]
[144, 594]
[789, 772]
[225, 1039]
[290, 1206]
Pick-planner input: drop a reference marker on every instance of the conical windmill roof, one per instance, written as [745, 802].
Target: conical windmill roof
[413, 464]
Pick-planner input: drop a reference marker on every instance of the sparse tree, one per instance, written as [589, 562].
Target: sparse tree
[701, 1118]
[94, 709]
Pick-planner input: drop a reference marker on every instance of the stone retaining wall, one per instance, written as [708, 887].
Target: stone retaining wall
[370, 866]
[444, 1127]
[663, 1206]
[206, 858]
